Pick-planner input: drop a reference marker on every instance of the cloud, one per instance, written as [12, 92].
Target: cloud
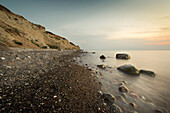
[158, 43]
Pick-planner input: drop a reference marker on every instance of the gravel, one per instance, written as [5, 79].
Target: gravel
[47, 81]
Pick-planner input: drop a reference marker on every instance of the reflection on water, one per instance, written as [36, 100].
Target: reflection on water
[151, 89]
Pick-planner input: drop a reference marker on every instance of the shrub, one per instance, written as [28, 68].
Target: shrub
[53, 46]
[44, 47]
[16, 42]
[35, 43]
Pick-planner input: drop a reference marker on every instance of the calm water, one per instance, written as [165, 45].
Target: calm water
[156, 90]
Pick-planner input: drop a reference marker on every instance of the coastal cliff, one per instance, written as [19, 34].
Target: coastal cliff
[16, 31]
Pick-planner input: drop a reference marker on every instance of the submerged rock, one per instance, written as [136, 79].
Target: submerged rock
[147, 72]
[122, 56]
[129, 69]
[123, 88]
[133, 105]
[121, 99]
[158, 111]
[115, 108]
[102, 57]
[109, 99]
[102, 66]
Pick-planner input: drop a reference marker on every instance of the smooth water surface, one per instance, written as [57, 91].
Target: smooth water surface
[155, 90]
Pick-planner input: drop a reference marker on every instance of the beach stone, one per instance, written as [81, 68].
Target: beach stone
[123, 88]
[102, 57]
[120, 98]
[115, 108]
[134, 95]
[2, 58]
[158, 111]
[133, 105]
[129, 69]
[147, 72]
[102, 66]
[109, 99]
[122, 56]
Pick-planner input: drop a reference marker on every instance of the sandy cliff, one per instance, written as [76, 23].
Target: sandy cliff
[16, 31]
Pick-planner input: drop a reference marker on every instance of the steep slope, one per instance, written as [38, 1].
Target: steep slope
[16, 31]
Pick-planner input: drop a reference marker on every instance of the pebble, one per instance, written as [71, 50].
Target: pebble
[123, 88]
[55, 96]
[0, 97]
[133, 105]
[158, 111]
[2, 58]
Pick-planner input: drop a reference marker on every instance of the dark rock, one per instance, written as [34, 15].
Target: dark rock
[102, 66]
[133, 105]
[102, 57]
[109, 99]
[158, 111]
[122, 56]
[123, 88]
[129, 69]
[115, 108]
[93, 52]
[147, 72]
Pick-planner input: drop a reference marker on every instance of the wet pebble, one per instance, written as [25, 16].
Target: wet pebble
[123, 88]
[133, 105]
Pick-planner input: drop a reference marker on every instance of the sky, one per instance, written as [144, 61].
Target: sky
[101, 24]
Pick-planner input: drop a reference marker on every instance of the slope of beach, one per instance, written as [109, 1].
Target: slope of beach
[46, 80]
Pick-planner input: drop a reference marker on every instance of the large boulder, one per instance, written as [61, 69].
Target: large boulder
[102, 57]
[122, 56]
[129, 69]
[147, 72]
[3, 46]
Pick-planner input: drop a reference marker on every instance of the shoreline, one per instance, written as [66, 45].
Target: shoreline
[44, 81]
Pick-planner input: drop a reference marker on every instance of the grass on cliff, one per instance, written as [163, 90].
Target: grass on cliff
[35, 43]
[53, 46]
[17, 42]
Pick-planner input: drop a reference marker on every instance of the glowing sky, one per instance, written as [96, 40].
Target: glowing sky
[101, 24]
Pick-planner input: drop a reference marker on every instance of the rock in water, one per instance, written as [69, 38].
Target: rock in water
[115, 108]
[3, 46]
[123, 88]
[122, 56]
[109, 99]
[102, 57]
[102, 66]
[147, 72]
[129, 69]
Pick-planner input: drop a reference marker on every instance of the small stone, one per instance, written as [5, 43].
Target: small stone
[26, 84]
[100, 92]
[109, 99]
[17, 58]
[123, 88]
[0, 97]
[133, 105]
[158, 111]
[55, 96]
[9, 67]
[2, 58]
[29, 57]
[59, 100]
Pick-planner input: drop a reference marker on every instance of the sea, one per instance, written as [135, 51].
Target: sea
[154, 92]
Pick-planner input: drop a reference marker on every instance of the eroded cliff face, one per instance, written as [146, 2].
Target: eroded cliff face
[16, 31]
